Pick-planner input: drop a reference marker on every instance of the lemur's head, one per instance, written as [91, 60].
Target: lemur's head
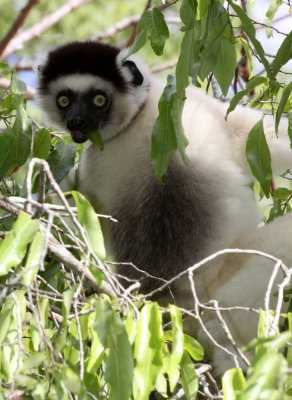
[85, 86]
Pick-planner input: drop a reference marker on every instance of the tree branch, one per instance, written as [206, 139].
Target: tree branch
[30, 93]
[17, 24]
[48, 21]
[63, 255]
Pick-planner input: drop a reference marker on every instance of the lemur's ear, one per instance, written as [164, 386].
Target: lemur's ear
[137, 77]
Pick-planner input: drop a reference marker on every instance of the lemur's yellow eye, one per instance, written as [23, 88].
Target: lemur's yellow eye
[99, 100]
[63, 101]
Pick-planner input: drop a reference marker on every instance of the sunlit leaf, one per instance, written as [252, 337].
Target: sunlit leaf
[177, 347]
[189, 379]
[233, 382]
[265, 378]
[10, 103]
[147, 351]
[89, 220]
[21, 142]
[13, 247]
[17, 86]
[193, 347]
[71, 380]
[119, 362]
[33, 361]
[33, 260]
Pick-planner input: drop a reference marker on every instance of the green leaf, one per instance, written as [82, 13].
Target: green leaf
[266, 376]
[189, 379]
[209, 54]
[97, 350]
[217, 27]
[284, 54]
[177, 347]
[21, 142]
[61, 160]
[203, 6]
[188, 10]
[156, 28]
[289, 358]
[41, 143]
[5, 154]
[259, 157]
[290, 128]
[249, 29]
[164, 141]
[119, 363]
[17, 86]
[274, 5]
[226, 64]
[13, 247]
[185, 62]
[153, 26]
[233, 382]
[281, 107]
[282, 193]
[140, 39]
[147, 351]
[34, 257]
[161, 385]
[95, 137]
[4, 68]
[89, 220]
[10, 103]
[249, 87]
[193, 347]
[33, 361]
[10, 360]
[60, 342]
[176, 114]
[71, 380]
[280, 341]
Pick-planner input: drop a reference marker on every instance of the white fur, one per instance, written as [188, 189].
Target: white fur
[217, 148]
[216, 151]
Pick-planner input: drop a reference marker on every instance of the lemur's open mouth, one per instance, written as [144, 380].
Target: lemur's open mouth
[78, 136]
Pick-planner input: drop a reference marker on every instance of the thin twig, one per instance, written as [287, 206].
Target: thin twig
[17, 24]
[45, 23]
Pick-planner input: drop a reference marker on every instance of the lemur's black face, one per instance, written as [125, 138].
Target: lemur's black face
[83, 112]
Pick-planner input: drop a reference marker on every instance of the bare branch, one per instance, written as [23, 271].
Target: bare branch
[63, 255]
[17, 24]
[166, 4]
[125, 24]
[35, 31]
[30, 93]
[163, 67]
